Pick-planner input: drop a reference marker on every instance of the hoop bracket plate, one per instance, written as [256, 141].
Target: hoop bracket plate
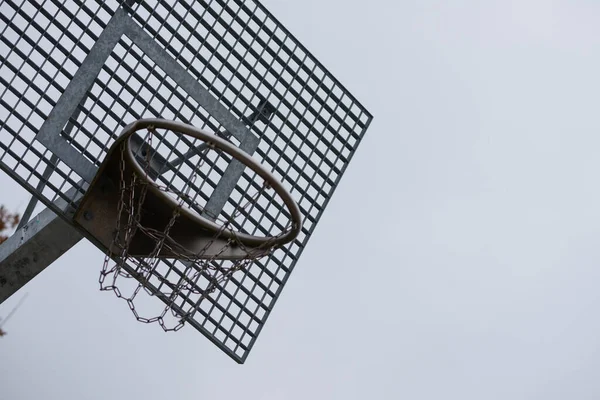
[98, 212]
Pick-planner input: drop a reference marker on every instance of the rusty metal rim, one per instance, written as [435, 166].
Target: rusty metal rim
[240, 155]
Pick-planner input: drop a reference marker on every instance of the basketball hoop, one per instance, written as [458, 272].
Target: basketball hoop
[141, 217]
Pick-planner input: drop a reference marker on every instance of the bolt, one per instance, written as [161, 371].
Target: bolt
[88, 215]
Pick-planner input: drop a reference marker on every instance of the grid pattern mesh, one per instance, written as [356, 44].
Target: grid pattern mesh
[238, 52]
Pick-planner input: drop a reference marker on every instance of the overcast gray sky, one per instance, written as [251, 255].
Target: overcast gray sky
[458, 259]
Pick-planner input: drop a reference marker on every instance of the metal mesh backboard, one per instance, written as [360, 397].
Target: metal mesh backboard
[74, 73]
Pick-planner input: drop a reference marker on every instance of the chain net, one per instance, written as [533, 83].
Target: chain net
[137, 274]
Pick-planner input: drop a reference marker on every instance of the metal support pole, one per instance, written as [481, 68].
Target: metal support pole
[32, 248]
